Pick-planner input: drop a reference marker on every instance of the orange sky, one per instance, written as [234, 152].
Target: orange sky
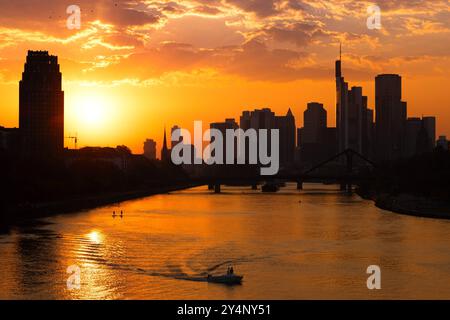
[137, 65]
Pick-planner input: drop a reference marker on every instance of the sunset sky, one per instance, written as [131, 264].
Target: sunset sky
[135, 66]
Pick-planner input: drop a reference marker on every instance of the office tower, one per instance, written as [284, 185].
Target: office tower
[266, 119]
[342, 123]
[413, 126]
[286, 126]
[316, 142]
[150, 149]
[314, 123]
[165, 152]
[223, 127]
[353, 122]
[430, 126]
[390, 117]
[41, 106]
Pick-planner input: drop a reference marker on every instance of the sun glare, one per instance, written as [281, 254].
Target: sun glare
[92, 110]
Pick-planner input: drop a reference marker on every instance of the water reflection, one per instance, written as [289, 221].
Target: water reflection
[315, 243]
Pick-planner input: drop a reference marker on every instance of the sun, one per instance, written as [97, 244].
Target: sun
[92, 110]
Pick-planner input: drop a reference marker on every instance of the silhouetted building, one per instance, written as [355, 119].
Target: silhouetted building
[413, 126]
[286, 126]
[390, 117]
[316, 142]
[223, 127]
[443, 143]
[9, 140]
[314, 123]
[430, 126]
[150, 149]
[41, 106]
[165, 152]
[266, 119]
[353, 118]
[174, 143]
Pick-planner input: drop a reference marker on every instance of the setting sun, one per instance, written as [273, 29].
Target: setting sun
[91, 110]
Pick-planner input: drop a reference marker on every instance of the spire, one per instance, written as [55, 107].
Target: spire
[340, 51]
[165, 139]
[289, 113]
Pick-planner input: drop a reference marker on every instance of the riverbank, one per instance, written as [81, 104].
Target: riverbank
[410, 205]
[18, 214]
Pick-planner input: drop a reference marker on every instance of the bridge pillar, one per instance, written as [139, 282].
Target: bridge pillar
[217, 188]
[343, 186]
[210, 186]
[254, 186]
[299, 185]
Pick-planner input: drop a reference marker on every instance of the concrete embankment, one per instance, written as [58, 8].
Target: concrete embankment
[413, 205]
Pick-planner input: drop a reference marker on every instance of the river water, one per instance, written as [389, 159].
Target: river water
[311, 244]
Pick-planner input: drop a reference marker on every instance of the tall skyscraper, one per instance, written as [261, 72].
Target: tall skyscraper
[341, 106]
[352, 116]
[390, 117]
[150, 149]
[41, 106]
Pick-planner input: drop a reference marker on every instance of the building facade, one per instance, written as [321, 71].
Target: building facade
[41, 106]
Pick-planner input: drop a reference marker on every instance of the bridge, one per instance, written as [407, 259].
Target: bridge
[348, 168]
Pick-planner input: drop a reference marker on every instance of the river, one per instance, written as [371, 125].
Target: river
[311, 244]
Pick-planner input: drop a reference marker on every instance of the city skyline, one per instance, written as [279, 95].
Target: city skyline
[276, 56]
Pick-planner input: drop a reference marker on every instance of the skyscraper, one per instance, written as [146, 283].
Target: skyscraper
[352, 116]
[390, 117]
[266, 119]
[341, 106]
[41, 106]
[314, 123]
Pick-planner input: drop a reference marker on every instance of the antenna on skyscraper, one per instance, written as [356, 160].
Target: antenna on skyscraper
[340, 50]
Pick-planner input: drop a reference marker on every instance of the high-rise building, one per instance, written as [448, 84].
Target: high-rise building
[174, 143]
[352, 116]
[266, 119]
[430, 126]
[390, 117]
[286, 126]
[342, 111]
[413, 126]
[314, 123]
[150, 149]
[41, 106]
[223, 127]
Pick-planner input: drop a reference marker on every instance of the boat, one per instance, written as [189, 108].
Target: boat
[225, 279]
[270, 187]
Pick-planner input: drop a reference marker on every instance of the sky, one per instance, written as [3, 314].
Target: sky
[134, 67]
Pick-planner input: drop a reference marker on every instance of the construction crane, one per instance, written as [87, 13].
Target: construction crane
[75, 139]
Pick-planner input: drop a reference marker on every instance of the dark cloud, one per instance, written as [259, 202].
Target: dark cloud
[262, 8]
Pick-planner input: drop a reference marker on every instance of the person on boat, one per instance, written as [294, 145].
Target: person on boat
[231, 270]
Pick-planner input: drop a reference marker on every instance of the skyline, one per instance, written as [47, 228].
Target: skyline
[194, 77]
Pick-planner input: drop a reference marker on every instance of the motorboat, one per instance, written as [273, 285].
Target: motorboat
[229, 279]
